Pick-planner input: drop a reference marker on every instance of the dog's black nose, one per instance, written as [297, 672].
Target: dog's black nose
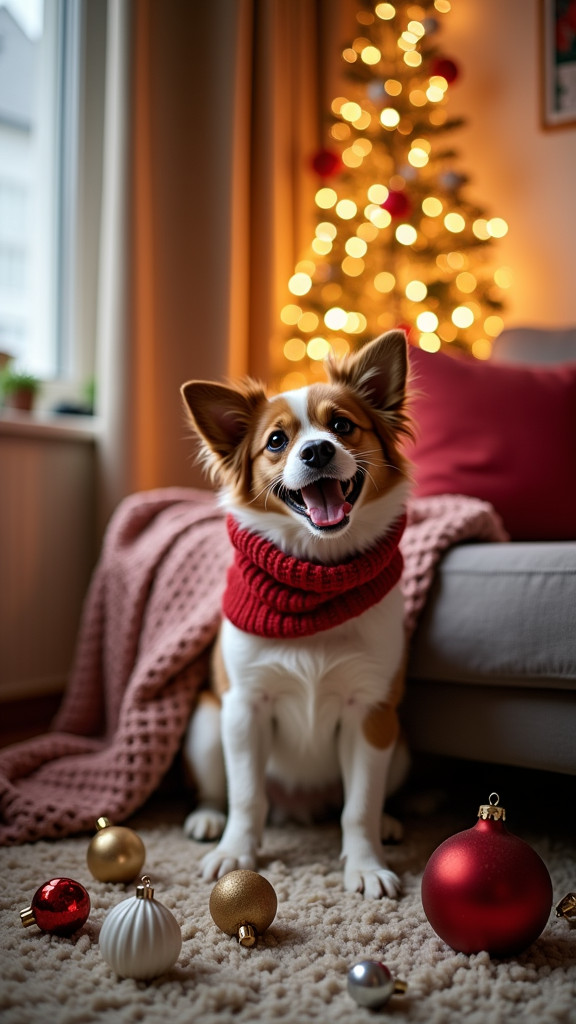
[317, 454]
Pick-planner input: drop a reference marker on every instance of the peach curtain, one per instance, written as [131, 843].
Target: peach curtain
[214, 109]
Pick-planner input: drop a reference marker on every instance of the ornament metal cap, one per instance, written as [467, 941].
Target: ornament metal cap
[567, 907]
[27, 917]
[144, 891]
[492, 810]
[103, 822]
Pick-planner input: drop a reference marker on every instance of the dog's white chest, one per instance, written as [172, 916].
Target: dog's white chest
[308, 686]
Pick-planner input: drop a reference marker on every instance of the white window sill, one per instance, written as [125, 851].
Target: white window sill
[48, 426]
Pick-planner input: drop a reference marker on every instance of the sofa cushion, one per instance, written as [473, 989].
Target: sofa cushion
[501, 432]
[500, 614]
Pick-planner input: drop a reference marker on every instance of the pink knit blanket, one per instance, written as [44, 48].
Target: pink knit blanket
[150, 615]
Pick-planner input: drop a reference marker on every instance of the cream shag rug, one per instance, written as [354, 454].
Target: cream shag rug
[297, 972]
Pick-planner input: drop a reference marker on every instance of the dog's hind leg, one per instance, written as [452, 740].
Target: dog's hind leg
[205, 762]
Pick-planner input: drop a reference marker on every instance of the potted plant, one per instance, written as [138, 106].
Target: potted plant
[18, 389]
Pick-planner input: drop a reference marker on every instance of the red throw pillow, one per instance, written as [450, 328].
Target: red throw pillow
[502, 432]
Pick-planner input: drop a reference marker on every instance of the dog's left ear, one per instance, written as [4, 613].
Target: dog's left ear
[378, 371]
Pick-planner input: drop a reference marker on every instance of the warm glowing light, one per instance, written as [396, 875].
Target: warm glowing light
[416, 291]
[437, 116]
[406, 234]
[300, 284]
[493, 325]
[367, 231]
[377, 216]
[443, 6]
[356, 247]
[292, 381]
[417, 98]
[325, 198]
[427, 321]
[349, 55]
[335, 318]
[308, 322]
[466, 282]
[480, 229]
[321, 247]
[305, 267]
[340, 131]
[350, 111]
[331, 292]
[454, 222]
[389, 117]
[393, 87]
[456, 260]
[429, 341]
[413, 59]
[503, 277]
[407, 42]
[416, 28]
[352, 267]
[384, 282]
[326, 231]
[439, 82]
[360, 43]
[290, 314]
[432, 207]
[417, 157]
[356, 323]
[463, 316]
[351, 159]
[371, 55]
[448, 331]
[377, 194]
[497, 227]
[385, 11]
[434, 94]
[318, 348]
[295, 349]
[346, 209]
[338, 103]
[362, 146]
[340, 347]
[363, 121]
[482, 348]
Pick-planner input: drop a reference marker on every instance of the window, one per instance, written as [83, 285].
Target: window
[52, 63]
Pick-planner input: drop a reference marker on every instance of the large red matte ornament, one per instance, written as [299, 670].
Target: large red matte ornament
[60, 906]
[326, 163]
[486, 889]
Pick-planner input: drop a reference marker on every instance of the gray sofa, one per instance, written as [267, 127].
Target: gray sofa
[492, 670]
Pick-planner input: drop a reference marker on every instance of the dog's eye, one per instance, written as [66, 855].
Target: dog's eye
[277, 441]
[342, 425]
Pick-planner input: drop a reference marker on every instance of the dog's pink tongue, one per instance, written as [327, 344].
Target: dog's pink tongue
[325, 502]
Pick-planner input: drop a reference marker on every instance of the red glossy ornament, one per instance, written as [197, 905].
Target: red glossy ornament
[326, 163]
[59, 906]
[397, 204]
[486, 889]
[445, 67]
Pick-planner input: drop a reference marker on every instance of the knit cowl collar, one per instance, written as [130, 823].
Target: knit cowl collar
[271, 594]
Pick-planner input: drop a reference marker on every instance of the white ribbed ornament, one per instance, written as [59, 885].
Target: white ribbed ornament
[140, 937]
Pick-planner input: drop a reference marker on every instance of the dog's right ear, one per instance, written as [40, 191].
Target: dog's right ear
[221, 416]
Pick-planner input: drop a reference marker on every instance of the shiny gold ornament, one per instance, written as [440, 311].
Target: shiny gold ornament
[243, 903]
[115, 853]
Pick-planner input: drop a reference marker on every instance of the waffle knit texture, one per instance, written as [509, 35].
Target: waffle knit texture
[275, 595]
[151, 613]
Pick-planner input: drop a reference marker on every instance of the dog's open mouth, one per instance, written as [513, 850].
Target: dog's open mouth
[326, 502]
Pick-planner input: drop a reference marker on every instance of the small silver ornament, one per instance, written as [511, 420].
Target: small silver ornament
[371, 984]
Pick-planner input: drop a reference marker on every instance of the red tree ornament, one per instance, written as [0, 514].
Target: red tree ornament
[445, 67]
[326, 163]
[59, 906]
[397, 203]
[486, 889]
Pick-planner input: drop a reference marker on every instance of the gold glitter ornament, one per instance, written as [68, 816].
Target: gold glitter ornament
[243, 904]
[115, 853]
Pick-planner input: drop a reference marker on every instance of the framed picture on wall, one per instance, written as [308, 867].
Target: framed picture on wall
[558, 57]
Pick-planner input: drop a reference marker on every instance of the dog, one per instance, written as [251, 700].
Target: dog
[308, 667]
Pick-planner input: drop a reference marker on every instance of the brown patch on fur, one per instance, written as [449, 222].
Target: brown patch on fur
[219, 681]
[380, 727]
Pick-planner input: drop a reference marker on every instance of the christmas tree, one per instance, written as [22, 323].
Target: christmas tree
[398, 242]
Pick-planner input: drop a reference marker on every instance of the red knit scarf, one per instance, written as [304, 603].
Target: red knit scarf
[275, 595]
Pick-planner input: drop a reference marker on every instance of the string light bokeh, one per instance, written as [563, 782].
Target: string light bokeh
[398, 241]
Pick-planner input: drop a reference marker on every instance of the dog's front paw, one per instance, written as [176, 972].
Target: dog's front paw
[221, 860]
[205, 823]
[372, 879]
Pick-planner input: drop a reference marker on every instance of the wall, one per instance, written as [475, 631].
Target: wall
[519, 170]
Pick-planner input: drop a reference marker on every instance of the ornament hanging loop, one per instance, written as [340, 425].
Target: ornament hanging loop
[566, 908]
[144, 891]
[492, 810]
